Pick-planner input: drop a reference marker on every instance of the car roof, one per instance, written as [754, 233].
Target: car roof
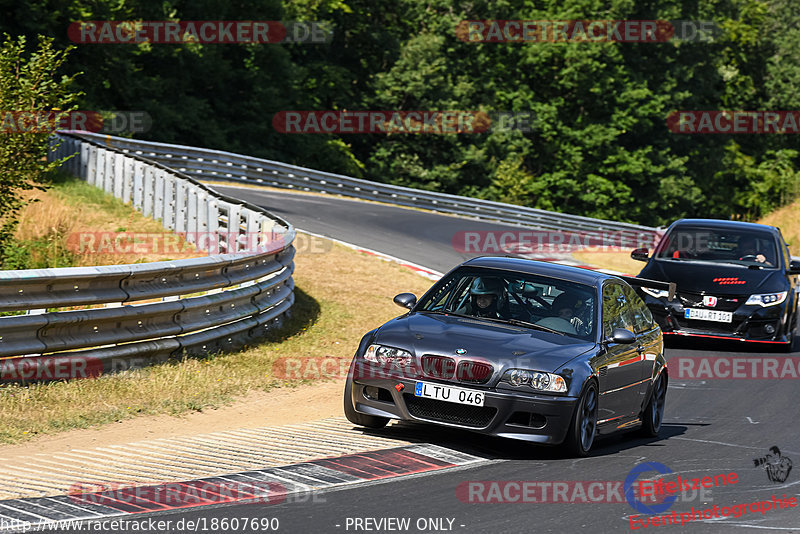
[523, 265]
[725, 224]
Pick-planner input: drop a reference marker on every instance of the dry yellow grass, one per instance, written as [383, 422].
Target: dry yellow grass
[71, 209]
[788, 220]
[341, 295]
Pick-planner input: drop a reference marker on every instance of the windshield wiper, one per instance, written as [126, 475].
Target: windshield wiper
[440, 312]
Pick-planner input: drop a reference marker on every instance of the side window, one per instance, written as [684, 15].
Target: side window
[615, 310]
[642, 318]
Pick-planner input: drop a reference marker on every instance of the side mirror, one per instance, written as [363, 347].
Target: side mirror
[406, 300]
[640, 254]
[794, 267]
[621, 336]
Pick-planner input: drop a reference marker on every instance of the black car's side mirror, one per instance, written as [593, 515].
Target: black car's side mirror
[405, 300]
[640, 254]
[794, 267]
[621, 336]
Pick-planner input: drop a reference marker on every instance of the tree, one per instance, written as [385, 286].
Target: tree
[28, 84]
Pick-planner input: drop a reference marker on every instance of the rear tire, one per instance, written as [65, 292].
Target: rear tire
[653, 415]
[583, 427]
[361, 419]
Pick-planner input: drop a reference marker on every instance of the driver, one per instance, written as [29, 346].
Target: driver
[486, 298]
[748, 247]
[565, 319]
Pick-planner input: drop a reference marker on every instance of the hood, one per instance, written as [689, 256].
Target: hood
[505, 346]
[703, 277]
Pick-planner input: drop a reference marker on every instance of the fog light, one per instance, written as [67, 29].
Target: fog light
[371, 392]
[769, 329]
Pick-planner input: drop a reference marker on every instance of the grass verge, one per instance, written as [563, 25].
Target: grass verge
[49, 228]
[341, 294]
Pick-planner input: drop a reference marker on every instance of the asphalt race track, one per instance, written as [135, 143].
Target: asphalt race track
[712, 427]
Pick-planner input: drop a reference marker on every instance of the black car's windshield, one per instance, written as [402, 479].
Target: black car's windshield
[540, 302]
[690, 243]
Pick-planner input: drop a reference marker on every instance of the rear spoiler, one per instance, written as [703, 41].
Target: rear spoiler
[655, 284]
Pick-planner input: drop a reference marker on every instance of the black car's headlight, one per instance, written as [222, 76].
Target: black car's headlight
[536, 380]
[388, 356]
[657, 293]
[766, 299]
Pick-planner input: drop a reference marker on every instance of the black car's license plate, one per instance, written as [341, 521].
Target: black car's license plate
[449, 394]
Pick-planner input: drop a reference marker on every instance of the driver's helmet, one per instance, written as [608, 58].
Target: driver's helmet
[486, 286]
[565, 300]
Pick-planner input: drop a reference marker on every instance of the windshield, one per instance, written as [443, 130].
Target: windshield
[539, 302]
[687, 243]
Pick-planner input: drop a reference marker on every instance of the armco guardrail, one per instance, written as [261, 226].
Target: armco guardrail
[138, 314]
[205, 164]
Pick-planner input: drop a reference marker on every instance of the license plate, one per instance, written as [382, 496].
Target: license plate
[449, 394]
[708, 315]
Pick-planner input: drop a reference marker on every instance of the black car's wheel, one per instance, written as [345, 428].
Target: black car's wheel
[361, 419]
[654, 411]
[583, 428]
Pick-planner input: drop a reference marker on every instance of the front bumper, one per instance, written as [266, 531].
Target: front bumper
[531, 417]
[750, 323]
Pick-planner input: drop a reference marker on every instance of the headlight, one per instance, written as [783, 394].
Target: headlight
[388, 356]
[535, 380]
[657, 293]
[766, 299]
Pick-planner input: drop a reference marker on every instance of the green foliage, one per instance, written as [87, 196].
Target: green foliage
[28, 83]
[598, 146]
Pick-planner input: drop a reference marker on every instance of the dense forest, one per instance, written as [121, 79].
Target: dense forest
[598, 141]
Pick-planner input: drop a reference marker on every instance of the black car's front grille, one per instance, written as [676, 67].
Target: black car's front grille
[438, 366]
[474, 372]
[709, 327]
[695, 300]
[449, 412]
[444, 368]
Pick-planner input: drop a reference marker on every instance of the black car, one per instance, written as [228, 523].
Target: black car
[736, 280]
[519, 349]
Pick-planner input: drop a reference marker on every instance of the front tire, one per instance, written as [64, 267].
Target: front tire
[361, 419]
[583, 428]
[653, 415]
